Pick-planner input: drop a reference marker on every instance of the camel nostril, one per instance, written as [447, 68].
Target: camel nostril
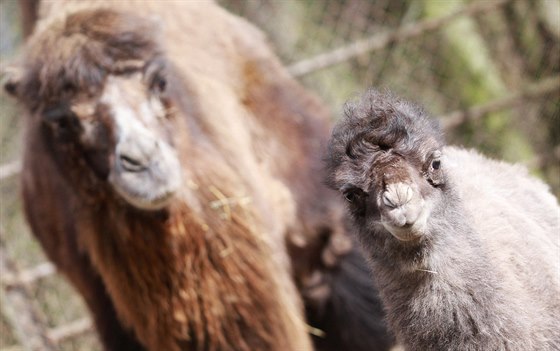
[131, 164]
[397, 195]
[387, 200]
[409, 194]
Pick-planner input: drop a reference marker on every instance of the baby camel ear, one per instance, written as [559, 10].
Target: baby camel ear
[11, 79]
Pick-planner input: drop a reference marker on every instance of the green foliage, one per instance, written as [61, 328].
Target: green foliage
[475, 79]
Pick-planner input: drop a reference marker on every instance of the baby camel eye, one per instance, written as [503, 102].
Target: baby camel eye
[353, 194]
[350, 196]
[436, 164]
[434, 174]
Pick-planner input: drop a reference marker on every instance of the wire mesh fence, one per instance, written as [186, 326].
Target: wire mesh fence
[488, 69]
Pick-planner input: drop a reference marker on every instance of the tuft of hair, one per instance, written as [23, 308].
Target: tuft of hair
[89, 46]
[379, 119]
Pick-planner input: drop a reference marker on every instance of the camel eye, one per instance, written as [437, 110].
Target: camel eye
[155, 75]
[436, 164]
[159, 84]
[63, 125]
[62, 121]
[350, 196]
[353, 194]
[59, 116]
[434, 174]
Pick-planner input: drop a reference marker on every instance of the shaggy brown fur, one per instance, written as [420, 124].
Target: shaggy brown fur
[465, 249]
[209, 270]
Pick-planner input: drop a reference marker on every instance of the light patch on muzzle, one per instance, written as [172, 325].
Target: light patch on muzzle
[146, 171]
[404, 212]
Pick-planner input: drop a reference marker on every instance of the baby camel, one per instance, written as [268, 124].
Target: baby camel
[465, 250]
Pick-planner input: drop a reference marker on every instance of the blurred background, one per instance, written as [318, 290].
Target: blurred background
[489, 69]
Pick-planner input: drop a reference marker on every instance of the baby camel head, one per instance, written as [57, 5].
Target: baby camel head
[95, 86]
[385, 157]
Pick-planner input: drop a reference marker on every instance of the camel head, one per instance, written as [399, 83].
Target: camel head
[96, 86]
[386, 159]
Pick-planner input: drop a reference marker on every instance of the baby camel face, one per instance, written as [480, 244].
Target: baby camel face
[399, 193]
[386, 160]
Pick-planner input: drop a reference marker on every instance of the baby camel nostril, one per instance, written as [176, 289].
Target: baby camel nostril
[387, 200]
[130, 164]
[409, 194]
[397, 195]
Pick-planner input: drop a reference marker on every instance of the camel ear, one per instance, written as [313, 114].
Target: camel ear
[11, 80]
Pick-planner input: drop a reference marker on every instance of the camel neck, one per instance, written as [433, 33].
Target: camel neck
[214, 289]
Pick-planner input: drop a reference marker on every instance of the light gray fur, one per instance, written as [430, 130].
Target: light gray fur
[485, 275]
